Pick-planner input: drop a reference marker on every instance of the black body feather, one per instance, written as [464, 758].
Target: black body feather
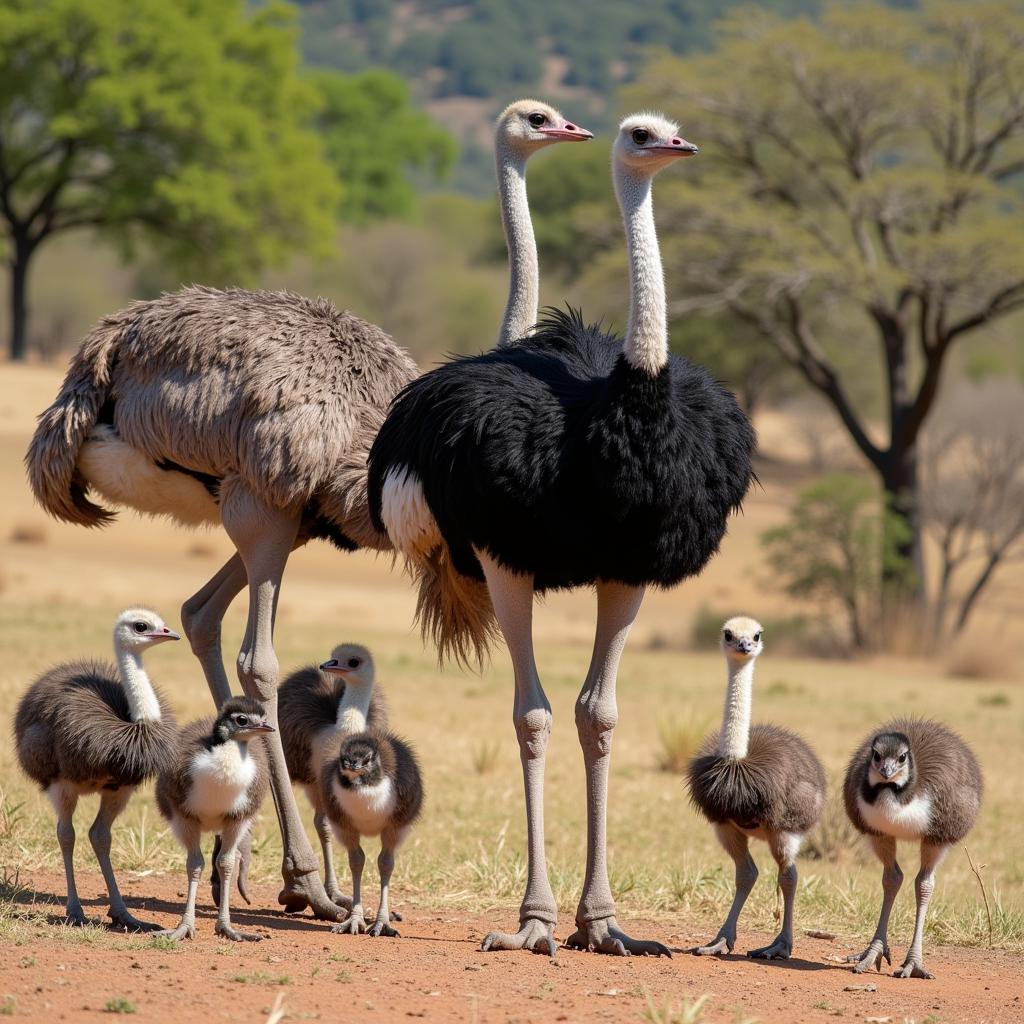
[563, 461]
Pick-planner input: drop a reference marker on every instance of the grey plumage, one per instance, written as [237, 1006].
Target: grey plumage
[918, 780]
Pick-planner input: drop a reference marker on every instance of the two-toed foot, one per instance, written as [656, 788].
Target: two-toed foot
[354, 924]
[871, 957]
[381, 927]
[226, 931]
[534, 935]
[604, 936]
[122, 919]
[723, 943]
[185, 930]
[780, 949]
[913, 967]
[306, 890]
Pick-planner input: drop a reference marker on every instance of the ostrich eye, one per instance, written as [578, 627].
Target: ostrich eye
[728, 635]
[537, 119]
[757, 638]
[241, 720]
[876, 756]
[903, 758]
[353, 663]
[140, 627]
[640, 136]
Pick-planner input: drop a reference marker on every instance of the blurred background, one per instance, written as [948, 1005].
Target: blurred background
[847, 252]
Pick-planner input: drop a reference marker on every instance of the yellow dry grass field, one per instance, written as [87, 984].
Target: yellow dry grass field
[61, 587]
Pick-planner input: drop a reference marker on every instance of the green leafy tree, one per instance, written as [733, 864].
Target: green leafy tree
[857, 203]
[374, 136]
[178, 124]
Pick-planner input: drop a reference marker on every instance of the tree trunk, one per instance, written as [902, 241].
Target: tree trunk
[19, 299]
[902, 551]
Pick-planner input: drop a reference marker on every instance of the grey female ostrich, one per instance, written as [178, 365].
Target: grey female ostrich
[216, 783]
[254, 410]
[372, 788]
[85, 727]
[758, 782]
[918, 780]
[569, 459]
[315, 707]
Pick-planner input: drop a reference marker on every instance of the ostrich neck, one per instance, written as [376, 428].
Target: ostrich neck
[142, 703]
[524, 275]
[735, 736]
[646, 346]
[354, 707]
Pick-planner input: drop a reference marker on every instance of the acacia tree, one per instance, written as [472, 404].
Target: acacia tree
[857, 202]
[181, 123]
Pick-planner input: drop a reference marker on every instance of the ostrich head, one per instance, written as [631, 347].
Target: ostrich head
[528, 125]
[353, 661]
[241, 719]
[742, 639]
[137, 628]
[359, 756]
[892, 761]
[648, 142]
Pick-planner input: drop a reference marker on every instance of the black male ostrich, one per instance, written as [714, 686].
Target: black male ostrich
[569, 459]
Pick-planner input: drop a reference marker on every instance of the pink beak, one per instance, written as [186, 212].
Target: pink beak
[163, 634]
[567, 132]
[679, 146]
[335, 666]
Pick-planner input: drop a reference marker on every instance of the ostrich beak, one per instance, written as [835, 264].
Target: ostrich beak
[335, 667]
[262, 727]
[678, 146]
[567, 132]
[163, 634]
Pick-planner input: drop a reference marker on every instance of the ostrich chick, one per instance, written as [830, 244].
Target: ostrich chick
[373, 788]
[917, 780]
[85, 727]
[758, 782]
[216, 784]
[314, 707]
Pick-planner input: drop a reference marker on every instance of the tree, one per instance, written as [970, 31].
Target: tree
[374, 136]
[857, 203]
[181, 124]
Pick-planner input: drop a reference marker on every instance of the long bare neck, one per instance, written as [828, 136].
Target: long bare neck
[524, 274]
[735, 738]
[354, 707]
[647, 335]
[142, 703]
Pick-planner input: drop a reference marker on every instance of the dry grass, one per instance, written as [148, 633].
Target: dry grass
[486, 755]
[679, 738]
[28, 533]
[977, 658]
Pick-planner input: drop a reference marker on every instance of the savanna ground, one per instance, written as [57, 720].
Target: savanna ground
[463, 870]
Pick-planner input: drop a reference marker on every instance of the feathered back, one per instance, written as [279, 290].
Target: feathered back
[307, 702]
[74, 723]
[946, 770]
[779, 785]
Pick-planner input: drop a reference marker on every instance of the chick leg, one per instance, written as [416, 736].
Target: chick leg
[737, 846]
[189, 836]
[784, 847]
[355, 923]
[390, 840]
[65, 800]
[892, 879]
[931, 857]
[231, 835]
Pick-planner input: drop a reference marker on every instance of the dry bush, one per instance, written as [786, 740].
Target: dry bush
[201, 549]
[28, 533]
[976, 658]
[485, 756]
[679, 738]
[834, 835]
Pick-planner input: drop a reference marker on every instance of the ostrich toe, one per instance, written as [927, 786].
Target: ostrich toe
[871, 957]
[124, 921]
[306, 890]
[780, 949]
[379, 928]
[913, 967]
[722, 944]
[354, 924]
[604, 936]
[535, 935]
[226, 931]
[185, 930]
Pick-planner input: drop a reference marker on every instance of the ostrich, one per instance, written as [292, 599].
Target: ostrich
[216, 783]
[912, 779]
[85, 727]
[254, 410]
[314, 707]
[372, 788]
[762, 782]
[567, 460]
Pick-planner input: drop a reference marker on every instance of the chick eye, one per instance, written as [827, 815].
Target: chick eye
[353, 663]
[140, 627]
[537, 119]
[241, 720]
[875, 756]
[757, 637]
[903, 758]
[640, 136]
[727, 633]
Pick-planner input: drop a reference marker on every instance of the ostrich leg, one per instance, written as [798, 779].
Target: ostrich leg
[65, 800]
[512, 596]
[264, 537]
[736, 844]
[596, 716]
[784, 847]
[892, 879]
[924, 884]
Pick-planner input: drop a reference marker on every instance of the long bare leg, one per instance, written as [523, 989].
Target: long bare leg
[737, 846]
[512, 597]
[64, 800]
[355, 923]
[892, 879]
[112, 803]
[924, 885]
[596, 716]
[190, 837]
[231, 835]
[264, 537]
[784, 847]
[323, 830]
[390, 840]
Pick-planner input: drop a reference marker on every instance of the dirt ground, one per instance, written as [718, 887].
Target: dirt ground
[436, 971]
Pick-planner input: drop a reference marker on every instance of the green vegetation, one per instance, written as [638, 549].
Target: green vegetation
[119, 1005]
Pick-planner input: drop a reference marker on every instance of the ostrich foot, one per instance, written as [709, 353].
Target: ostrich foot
[913, 967]
[722, 944]
[354, 924]
[379, 928]
[604, 936]
[301, 891]
[871, 957]
[74, 916]
[185, 930]
[535, 935]
[125, 921]
[780, 949]
[225, 931]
